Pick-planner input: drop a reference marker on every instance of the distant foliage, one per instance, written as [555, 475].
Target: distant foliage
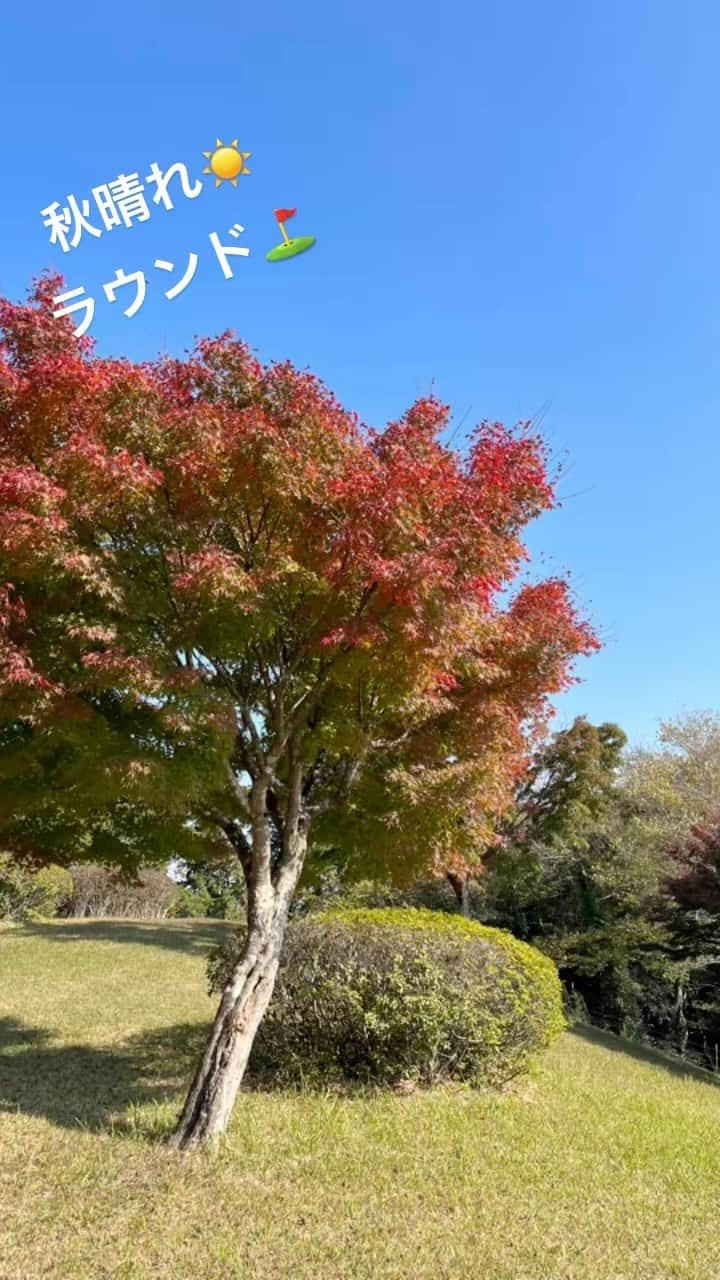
[619, 976]
[214, 890]
[25, 894]
[330, 890]
[96, 891]
[403, 994]
[611, 865]
[694, 887]
[676, 783]
[692, 914]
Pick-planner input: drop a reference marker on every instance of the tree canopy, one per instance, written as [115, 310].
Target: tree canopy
[202, 558]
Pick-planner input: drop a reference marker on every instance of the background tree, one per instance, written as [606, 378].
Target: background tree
[607, 867]
[570, 784]
[556, 865]
[675, 784]
[690, 908]
[694, 883]
[566, 877]
[214, 888]
[232, 615]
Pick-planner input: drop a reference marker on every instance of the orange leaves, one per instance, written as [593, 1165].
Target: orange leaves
[543, 615]
[104, 483]
[219, 549]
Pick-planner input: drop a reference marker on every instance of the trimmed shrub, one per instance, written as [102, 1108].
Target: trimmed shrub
[25, 893]
[96, 891]
[403, 994]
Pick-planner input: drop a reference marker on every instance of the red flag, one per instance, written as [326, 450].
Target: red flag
[282, 215]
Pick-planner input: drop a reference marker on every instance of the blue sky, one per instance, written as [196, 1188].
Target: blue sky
[517, 203]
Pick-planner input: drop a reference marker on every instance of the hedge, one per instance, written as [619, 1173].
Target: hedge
[402, 994]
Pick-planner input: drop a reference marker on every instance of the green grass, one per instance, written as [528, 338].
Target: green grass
[599, 1167]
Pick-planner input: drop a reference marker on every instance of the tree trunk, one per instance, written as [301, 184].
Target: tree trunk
[461, 888]
[246, 996]
[247, 993]
[680, 1018]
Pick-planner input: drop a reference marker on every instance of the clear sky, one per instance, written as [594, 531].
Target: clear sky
[517, 203]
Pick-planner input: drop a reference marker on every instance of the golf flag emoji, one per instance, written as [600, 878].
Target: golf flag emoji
[282, 216]
[290, 246]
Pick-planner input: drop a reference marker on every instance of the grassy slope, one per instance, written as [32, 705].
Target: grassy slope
[600, 1167]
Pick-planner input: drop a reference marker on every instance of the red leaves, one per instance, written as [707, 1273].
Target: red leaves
[104, 480]
[18, 674]
[445, 680]
[32, 332]
[543, 614]
[215, 508]
[113, 668]
[216, 575]
[353, 635]
[31, 525]
[25, 486]
[508, 472]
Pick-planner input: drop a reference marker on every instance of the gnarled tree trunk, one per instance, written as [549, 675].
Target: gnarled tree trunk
[248, 991]
[246, 996]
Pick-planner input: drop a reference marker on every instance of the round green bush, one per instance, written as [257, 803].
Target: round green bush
[403, 994]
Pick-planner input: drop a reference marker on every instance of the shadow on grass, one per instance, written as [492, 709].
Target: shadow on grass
[645, 1053]
[194, 937]
[79, 1086]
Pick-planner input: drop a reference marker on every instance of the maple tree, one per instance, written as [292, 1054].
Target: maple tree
[232, 617]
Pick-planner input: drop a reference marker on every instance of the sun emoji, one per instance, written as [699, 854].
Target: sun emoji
[226, 162]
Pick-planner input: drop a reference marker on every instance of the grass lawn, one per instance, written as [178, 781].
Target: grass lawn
[599, 1167]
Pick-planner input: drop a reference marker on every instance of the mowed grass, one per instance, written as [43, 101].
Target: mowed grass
[598, 1167]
